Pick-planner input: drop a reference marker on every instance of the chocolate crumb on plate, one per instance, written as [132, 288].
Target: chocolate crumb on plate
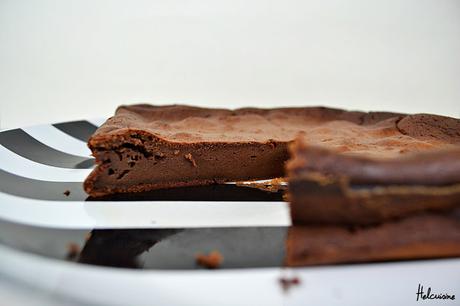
[212, 260]
[273, 185]
[288, 282]
[73, 250]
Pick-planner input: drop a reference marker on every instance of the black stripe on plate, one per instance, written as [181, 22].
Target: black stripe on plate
[79, 129]
[155, 249]
[175, 249]
[40, 190]
[54, 191]
[26, 146]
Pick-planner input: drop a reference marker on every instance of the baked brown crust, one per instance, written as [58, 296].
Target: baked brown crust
[416, 237]
[188, 124]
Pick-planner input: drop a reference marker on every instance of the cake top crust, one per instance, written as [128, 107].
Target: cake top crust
[412, 149]
[376, 133]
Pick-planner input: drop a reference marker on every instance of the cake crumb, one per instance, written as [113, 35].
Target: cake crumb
[213, 260]
[273, 185]
[66, 193]
[73, 250]
[288, 282]
[286, 197]
[189, 157]
[176, 152]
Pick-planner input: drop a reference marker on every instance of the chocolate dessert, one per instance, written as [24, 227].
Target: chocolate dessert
[369, 174]
[145, 147]
[346, 167]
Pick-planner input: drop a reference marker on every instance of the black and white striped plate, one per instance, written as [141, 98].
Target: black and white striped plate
[40, 163]
[38, 221]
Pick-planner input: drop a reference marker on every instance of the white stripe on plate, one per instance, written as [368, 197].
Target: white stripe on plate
[359, 285]
[16, 164]
[97, 121]
[120, 287]
[142, 214]
[58, 140]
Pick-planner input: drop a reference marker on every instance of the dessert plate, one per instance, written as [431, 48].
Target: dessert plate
[141, 250]
[41, 173]
[52, 266]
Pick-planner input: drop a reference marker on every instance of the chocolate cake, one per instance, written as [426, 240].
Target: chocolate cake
[427, 235]
[145, 147]
[369, 174]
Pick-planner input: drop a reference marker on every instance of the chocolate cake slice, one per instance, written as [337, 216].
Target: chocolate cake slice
[146, 147]
[370, 174]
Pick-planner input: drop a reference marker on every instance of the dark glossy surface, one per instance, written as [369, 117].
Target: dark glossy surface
[216, 192]
[247, 247]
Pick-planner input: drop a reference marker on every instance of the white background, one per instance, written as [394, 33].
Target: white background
[63, 60]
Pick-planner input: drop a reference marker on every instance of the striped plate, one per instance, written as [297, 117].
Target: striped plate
[39, 163]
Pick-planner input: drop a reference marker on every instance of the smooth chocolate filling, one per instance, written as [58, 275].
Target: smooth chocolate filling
[131, 167]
